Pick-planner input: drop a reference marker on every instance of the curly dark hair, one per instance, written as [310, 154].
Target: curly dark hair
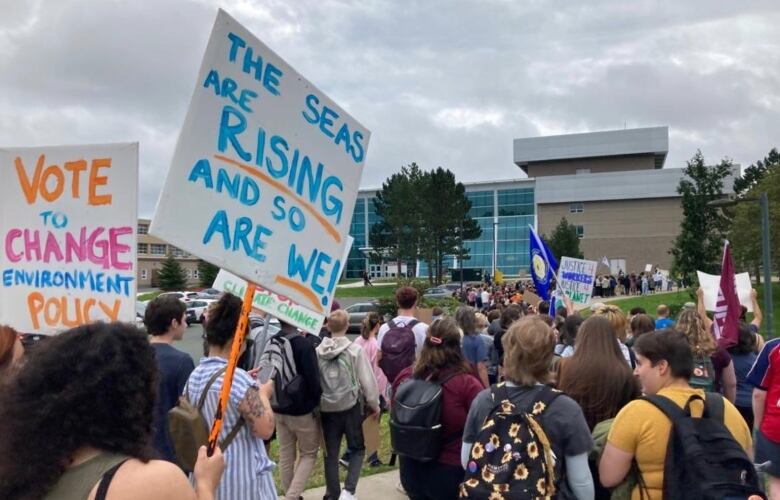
[223, 318]
[94, 385]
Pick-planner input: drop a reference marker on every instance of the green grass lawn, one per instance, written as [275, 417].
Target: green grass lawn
[367, 292]
[317, 477]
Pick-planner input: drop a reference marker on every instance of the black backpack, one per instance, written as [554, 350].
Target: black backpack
[415, 419]
[512, 457]
[703, 460]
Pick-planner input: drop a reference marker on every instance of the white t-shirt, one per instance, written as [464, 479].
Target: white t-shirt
[485, 298]
[420, 330]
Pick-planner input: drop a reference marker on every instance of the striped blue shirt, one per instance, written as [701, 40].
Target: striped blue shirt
[248, 470]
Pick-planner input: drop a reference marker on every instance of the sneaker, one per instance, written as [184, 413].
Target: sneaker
[346, 495]
[373, 461]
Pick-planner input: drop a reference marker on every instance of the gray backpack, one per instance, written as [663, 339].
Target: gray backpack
[340, 388]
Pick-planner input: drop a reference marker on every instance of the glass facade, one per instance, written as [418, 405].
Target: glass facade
[356, 262]
[508, 212]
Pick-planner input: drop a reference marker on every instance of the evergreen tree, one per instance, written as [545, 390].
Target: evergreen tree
[564, 241]
[207, 273]
[699, 246]
[172, 275]
[445, 220]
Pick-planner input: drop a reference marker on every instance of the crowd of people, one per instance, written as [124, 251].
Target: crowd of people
[527, 403]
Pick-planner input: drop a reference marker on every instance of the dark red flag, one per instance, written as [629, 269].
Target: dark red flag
[727, 309]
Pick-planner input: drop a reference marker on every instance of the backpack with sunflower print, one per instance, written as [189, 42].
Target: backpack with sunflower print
[512, 457]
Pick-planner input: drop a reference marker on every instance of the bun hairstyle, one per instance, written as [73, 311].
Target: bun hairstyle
[441, 351]
[370, 322]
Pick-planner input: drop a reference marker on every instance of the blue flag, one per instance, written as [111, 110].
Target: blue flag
[543, 265]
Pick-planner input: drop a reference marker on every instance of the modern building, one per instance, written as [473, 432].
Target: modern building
[153, 251]
[611, 185]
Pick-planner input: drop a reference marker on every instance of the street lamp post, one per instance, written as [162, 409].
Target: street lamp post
[763, 201]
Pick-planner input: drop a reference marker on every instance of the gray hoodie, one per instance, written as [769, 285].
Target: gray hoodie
[329, 348]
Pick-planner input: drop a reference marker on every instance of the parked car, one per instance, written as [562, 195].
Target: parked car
[179, 295]
[196, 309]
[437, 293]
[356, 314]
[140, 310]
[203, 294]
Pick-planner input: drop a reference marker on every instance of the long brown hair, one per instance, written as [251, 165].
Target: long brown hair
[597, 376]
[702, 342]
[441, 351]
[370, 322]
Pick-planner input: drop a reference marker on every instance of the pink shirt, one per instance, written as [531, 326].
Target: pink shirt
[371, 348]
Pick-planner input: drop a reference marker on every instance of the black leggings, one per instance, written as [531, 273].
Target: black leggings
[430, 480]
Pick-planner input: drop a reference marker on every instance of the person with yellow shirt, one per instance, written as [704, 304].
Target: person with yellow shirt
[641, 431]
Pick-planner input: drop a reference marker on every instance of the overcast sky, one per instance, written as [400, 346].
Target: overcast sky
[441, 83]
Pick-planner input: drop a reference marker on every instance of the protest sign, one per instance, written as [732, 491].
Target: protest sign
[576, 277]
[266, 301]
[648, 268]
[69, 216]
[711, 284]
[268, 168]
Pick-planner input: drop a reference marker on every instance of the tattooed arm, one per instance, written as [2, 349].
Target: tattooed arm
[256, 410]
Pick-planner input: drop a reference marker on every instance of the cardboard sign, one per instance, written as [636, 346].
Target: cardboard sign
[69, 216]
[266, 301]
[710, 283]
[265, 174]
[576, 277]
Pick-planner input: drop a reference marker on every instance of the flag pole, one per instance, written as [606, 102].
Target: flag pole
[235, 351]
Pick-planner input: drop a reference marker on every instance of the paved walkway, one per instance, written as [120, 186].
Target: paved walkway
[377, 486]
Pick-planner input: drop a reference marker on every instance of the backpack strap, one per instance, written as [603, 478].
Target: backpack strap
[211, 381]
[236, 428]
[391, 324]
[667, 406]
[714, 407]
[412, 323]
[105, 481]
[545, 395]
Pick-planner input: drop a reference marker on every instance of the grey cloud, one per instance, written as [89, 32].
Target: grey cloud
[98, 71]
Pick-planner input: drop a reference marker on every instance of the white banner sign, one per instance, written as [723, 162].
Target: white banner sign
[266, 301]
[710, 283]
[265, 174]
[576, 277]
[68, 224]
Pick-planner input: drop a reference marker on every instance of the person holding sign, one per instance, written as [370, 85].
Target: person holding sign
[78, 418]
[248, 417]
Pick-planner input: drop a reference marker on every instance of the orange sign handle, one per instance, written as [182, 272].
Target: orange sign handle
[238, 340]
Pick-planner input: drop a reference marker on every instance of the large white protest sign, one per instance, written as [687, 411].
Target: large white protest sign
[710, 284]
[575, 279]
[68, 223]
[277, 305]
[265, 173]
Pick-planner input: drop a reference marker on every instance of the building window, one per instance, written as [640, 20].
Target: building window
[195, 274]
[158, 249]
[143, 274]
[576, 208]
[143, 228]
[143, 248]
[177, 252]
[580, 231]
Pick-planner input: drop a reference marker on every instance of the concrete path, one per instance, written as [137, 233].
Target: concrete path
[377, 486]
